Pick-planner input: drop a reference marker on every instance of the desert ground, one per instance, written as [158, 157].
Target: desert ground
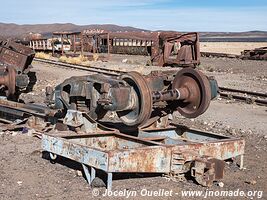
[27, 173]
[230, 47]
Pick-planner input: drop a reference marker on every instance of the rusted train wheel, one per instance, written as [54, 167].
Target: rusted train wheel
[199, 92]
[142, 112]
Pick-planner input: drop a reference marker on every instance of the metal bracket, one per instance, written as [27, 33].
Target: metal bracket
[206, 170]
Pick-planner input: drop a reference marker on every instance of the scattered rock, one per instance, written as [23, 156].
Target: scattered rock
[19, 183]
[221, 184]
[79, 173]
[230, 130]
[252, 182]
[14, 133]
[97, 182]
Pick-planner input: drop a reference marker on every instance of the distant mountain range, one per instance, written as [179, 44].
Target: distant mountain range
[21, 31]
[15, 30]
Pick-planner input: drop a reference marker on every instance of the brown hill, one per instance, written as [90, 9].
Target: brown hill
[19, 31]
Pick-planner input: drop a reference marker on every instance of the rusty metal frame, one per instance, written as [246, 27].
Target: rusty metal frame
[165, 151]
[187, 53]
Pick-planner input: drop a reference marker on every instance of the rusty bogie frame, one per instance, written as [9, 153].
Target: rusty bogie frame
[138, 100]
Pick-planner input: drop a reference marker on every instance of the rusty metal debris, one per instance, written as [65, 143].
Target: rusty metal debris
[255, 54]
[15, 74]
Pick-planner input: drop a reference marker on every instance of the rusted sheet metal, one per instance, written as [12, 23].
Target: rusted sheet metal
[172, 48]
[136, 50]
[223, 150]
[77, 152]
[111, 152]
[15, 55]
[148, 159]
[8, 79]
[12, 58]
[135, 35]
[134, 43]
[131, 156]
[162, 46]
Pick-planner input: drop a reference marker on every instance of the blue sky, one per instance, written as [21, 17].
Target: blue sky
[179, 15]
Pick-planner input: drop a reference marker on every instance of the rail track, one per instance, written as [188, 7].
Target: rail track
[244, 95]
[227, 93]
[101, 70]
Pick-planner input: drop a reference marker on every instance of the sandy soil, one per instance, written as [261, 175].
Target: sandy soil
[230, 47]
[26, 173]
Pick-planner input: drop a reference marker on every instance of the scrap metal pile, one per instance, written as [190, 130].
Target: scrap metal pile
[15, 65]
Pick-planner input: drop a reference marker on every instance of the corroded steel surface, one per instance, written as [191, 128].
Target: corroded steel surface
[201, 153]
[196, 92]
[15, 60]
[171, 48]
[137, 99]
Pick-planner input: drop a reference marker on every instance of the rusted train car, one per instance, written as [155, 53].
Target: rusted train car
[164, 48]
